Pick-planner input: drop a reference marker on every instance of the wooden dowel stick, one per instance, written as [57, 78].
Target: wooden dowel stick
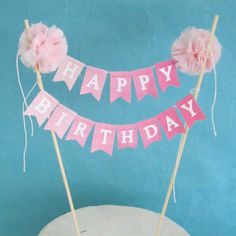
[58, 154]
[185, 135]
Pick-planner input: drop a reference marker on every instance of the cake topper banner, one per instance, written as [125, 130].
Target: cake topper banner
[63, 120]
[120, 82]
[195, 52]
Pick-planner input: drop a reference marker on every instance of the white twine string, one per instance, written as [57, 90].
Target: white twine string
[193, 91]
[215, 96]
[25, 130]
[22, 91]
[174, 194]
[24, 105]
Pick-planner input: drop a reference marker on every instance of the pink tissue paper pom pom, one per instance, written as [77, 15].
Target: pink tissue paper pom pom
[42, 46]
[189, 51]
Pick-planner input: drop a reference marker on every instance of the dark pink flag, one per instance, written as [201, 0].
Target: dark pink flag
[80, 130]
[144, 82]
[170, 123]
[127, 136]
[190, 110]
[120, 86]
[103, 138]
[60, 120]
[167, 74]
[69, 71]
[41, 107]
[93, 82]
[150, 131]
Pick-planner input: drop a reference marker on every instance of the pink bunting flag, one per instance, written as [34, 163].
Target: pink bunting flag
[167, 74]
[80, 130]
[170, 123]
[144, 82]
[120, 86]
[60, 120]
[127, 136]
[190, 110]
[93, 82]
[68, 71]
[150, 131]
[41, 107]
[103, 138]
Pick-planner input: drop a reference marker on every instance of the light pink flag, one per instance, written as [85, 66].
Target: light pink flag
[167, 74]
[41, 107]
[80, 130]
[60, 120]
[170, 123]
[103, 138]
[127, 136]
[144, 82]
[93, 82]
[69, 71]
[190, 110]
[150, 131]
[120, 86]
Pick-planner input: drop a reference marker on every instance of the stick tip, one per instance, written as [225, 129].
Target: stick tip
[216, 17]
[26, 23]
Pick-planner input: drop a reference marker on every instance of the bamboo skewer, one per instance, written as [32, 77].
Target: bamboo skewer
[185, 134]
[58, 153]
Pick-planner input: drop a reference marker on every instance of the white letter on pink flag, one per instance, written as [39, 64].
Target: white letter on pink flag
[60, 120]
[127, 136]
[68, 71]
[149, 131]
[170, 123]
[103, 138]
[120, 86]
[80, 130]
[93, 82]
[144, 82]
[190, 110]
[167, 74]
[41, 107]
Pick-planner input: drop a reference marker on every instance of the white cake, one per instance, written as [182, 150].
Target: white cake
[111, 220]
